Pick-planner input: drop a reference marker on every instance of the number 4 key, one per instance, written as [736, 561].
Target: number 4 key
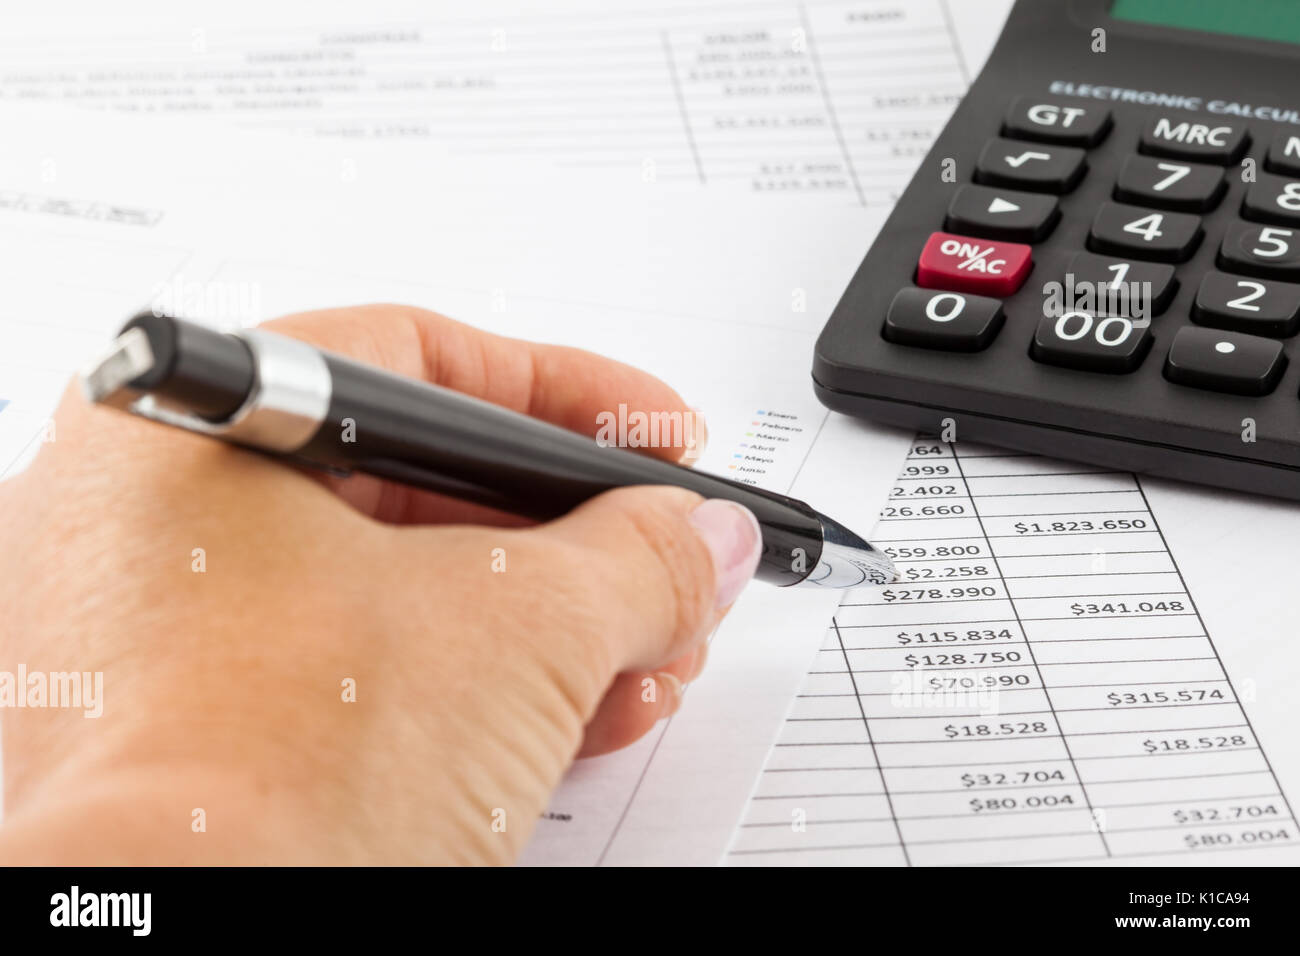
[1144, 233]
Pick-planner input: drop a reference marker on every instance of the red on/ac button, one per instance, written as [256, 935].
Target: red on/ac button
[979, 266]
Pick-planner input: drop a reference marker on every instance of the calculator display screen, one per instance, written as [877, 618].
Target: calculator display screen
[1266, 19]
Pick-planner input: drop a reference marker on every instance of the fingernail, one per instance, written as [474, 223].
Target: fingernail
[697, 438]
[670, 692]
[734, 541]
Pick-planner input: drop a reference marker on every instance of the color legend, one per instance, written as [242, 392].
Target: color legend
[770, 449]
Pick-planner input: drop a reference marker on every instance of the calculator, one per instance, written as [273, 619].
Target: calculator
[1099, 259]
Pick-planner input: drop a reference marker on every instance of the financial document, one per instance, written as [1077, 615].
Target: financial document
[760, 96]
[1041, 685]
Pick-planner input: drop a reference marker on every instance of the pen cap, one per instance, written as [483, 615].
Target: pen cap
[209, 372]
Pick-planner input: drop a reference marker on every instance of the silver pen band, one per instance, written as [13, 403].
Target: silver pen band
[288, 403]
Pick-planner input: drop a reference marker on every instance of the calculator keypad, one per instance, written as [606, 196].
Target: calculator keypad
[1002, 214]
[1145, 233]
[1253, 306]
[1038, 168]
[1225, 361]
[1049, 120]
[1082, 340]
[1133, 243]
[1182, 137]
[1109, 275]
[952, 321]
[1270, 252]
[1165, 184]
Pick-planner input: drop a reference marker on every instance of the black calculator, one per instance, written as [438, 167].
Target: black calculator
[1099, 259]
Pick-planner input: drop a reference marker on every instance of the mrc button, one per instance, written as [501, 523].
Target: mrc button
[1182, 138]
[980, 266]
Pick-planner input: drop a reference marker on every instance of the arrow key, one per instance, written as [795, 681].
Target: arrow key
[1002, 214]
[1043, 169]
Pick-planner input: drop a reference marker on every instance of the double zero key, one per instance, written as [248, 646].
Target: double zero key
[1114, 344]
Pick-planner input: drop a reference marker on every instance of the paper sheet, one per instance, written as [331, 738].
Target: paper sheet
[781, 96]
[1043, 684]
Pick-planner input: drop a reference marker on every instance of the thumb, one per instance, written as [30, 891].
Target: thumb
[655, 569]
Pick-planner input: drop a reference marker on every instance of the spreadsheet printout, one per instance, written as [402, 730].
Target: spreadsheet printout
[1038, 686]
[838, 97]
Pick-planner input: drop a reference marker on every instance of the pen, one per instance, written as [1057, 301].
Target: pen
[280, 396]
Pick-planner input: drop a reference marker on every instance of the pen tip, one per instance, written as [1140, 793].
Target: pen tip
[848, 560]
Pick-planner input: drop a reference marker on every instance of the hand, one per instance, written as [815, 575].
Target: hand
[298, 669]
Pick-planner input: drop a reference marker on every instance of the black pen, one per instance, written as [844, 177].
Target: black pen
[286, 398]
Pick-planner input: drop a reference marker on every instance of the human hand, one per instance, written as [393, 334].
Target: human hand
[336, 671]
